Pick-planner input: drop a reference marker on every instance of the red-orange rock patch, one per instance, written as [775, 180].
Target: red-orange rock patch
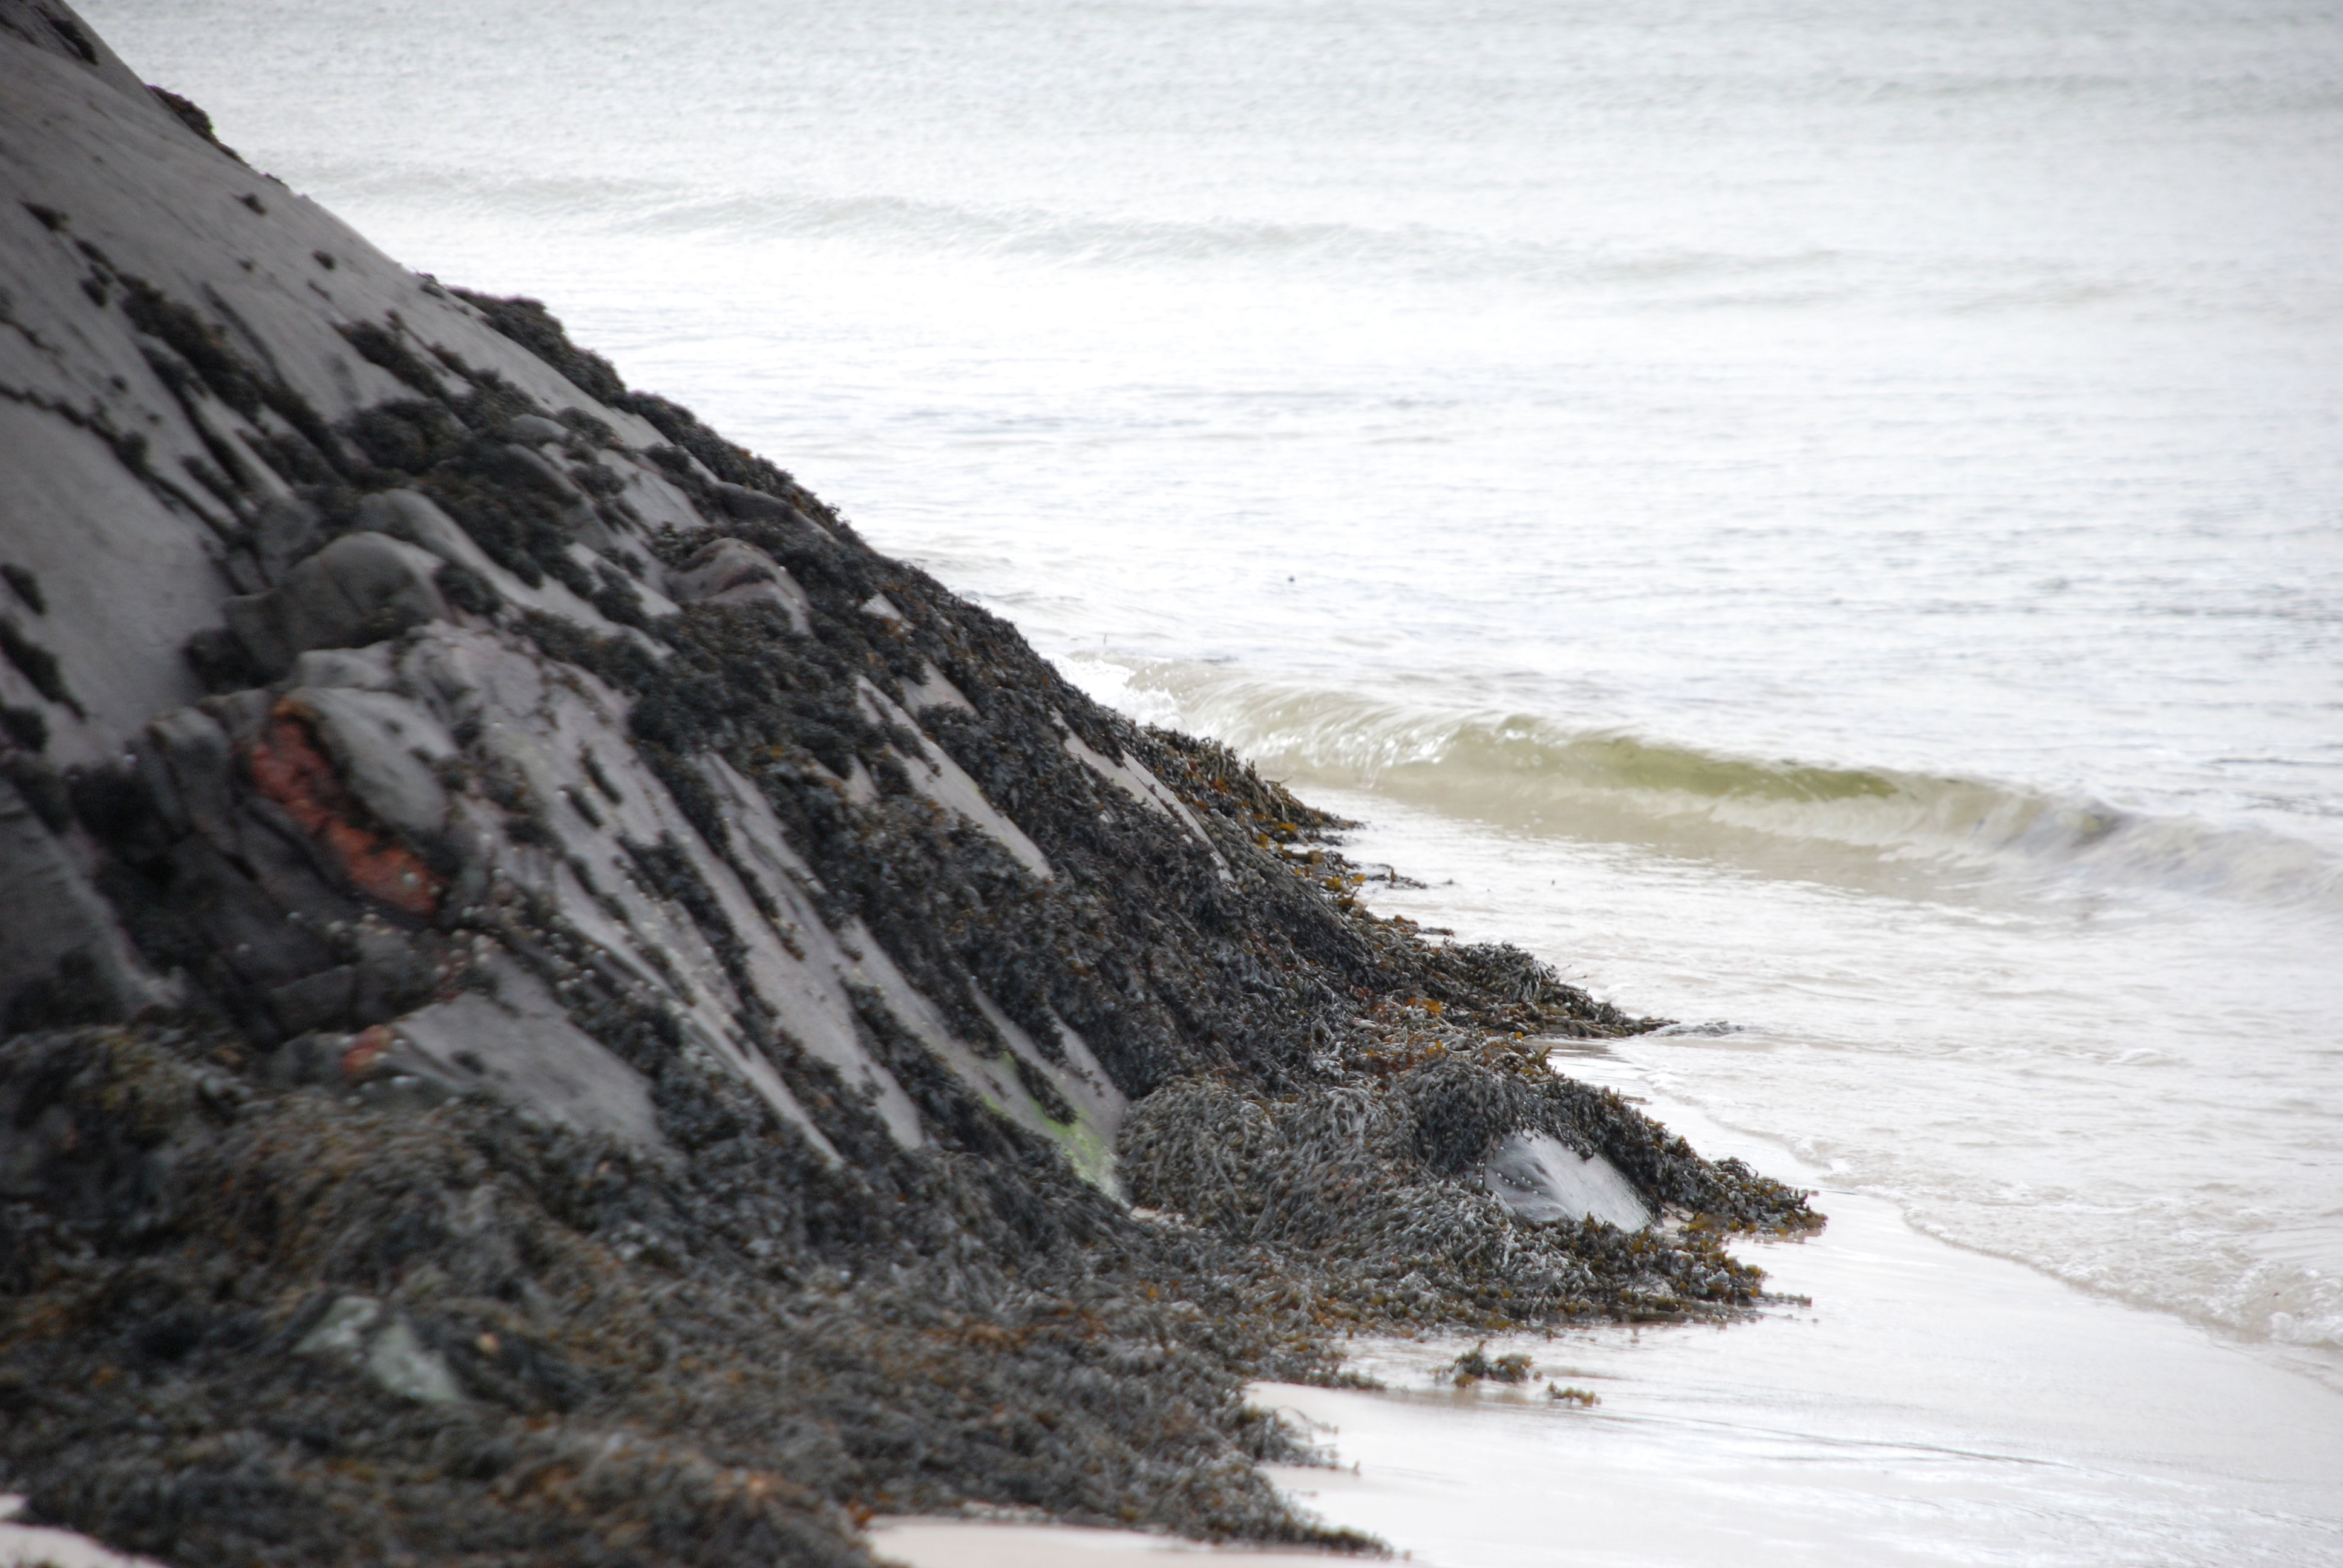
[291, 770]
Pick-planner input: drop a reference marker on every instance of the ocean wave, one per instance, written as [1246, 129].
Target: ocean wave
[1833, 823]
[753, 217]
[758, 216]
[2214, 1269]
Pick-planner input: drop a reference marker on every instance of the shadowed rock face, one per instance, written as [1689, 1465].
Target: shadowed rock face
[559, 1004]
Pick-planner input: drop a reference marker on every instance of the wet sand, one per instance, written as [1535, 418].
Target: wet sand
[968, 1544]
[38, 1546]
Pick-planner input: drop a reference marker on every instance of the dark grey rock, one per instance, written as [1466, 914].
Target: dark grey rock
[730, 1070]
[535, 430]
[745, 504]
[359, 589]
[393, 974]
[731, 571]
[283, 532]
[359, 669]
[543, 471]
[415, 517]
[315, 1001]
[186, 755]
[62, 959]
[519, 1047]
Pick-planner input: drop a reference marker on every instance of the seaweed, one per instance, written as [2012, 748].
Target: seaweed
[37, 664]
[26, 586]
[192, 115]
[26, 727]
[1477, 1364]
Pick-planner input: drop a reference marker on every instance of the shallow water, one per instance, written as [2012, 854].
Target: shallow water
[1821, 519]
[2068, 1085]
[1922, 1406]
[1928, 1405]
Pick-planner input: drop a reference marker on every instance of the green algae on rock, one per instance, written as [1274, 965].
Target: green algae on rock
[562, 1006]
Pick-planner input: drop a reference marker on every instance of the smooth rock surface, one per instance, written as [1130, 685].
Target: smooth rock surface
[519, 1047]
[1539, 1178]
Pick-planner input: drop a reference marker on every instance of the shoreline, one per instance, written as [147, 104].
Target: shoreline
[1931, 1405]
[1926, 1404]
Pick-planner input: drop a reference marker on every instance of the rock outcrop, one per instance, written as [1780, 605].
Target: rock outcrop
[560, 1005]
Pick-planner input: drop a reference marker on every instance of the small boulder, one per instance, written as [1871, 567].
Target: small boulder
[385, 1345]
[359, 669]
[535, 430]
[359, 589]
[184, 761]
[745, 504]
[527, 463]
[315, 1000]
[731, 571]
[415, 517]
[343, 1329]
[402, 1364]
[1539, 1179]
[520, 1047]
[285, 530]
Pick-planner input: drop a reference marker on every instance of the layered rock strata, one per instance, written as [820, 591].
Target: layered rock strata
[560, 1005]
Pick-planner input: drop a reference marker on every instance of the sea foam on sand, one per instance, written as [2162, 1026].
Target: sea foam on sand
[38, 1546]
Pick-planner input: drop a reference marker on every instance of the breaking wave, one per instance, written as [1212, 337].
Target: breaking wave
[1875, 828]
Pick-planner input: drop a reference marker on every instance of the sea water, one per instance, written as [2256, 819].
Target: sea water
[1825, 522]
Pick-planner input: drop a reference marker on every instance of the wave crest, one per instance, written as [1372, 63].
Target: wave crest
[1861, 826]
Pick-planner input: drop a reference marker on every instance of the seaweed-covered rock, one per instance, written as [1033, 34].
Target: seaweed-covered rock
[559, 1005]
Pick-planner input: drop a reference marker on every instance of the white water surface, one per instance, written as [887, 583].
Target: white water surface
[1823, 519]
